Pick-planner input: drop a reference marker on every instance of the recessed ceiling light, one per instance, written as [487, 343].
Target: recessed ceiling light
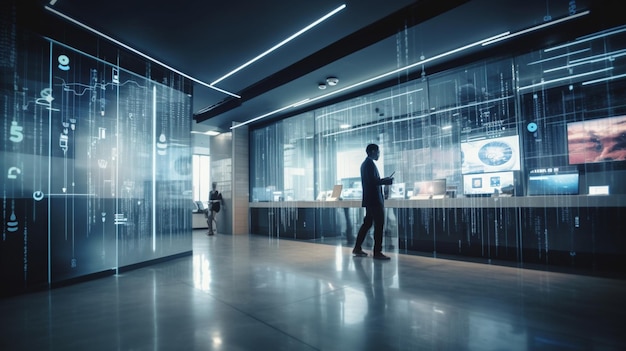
[322, 86]
[332, 81]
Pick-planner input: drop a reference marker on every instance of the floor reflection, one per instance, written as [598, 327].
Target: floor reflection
[247, 293]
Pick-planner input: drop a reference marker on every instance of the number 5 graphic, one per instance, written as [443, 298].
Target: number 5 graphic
[16, 132]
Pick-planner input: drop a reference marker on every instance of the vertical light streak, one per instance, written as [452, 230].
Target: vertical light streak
[117, 172]
[49, 170]
[154, 145]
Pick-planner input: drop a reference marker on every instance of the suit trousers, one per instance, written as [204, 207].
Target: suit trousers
[373, 215]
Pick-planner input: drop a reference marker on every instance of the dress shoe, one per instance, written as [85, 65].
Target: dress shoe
[359, 253]
[380, 256]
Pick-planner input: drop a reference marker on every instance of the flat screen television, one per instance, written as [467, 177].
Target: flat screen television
[488, 183]
[490, 155]
[597, 140]
[553, 181]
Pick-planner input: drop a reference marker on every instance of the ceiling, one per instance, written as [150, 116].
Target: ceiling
[208, 39]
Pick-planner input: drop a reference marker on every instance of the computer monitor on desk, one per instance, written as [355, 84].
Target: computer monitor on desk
[431, 189]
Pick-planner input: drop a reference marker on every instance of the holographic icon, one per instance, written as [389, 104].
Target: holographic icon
[102, 163]
[74, 263]
[119, 219]
[532, 127]
[64, 62]
[104, 216]
[46, 99]
[16, 132]
[38, 195]
[63, 142]
[102, 133]
[12, 224]
[14, 172]
[66, 127]
[73, 123]
[162, 145]
[115, 75]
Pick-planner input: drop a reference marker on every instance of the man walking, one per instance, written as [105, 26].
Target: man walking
[374, 204]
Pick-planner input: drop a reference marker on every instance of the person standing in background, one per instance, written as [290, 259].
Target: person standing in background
[215, 202]
[374, 204]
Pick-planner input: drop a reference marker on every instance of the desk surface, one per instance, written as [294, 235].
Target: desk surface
[465, 202]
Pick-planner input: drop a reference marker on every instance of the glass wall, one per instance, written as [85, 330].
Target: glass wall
[498, 159]
[96, 162]
[282, 165]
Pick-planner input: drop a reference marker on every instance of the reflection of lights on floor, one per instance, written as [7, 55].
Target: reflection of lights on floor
[338, 258]
[217, 341]
[201, 273]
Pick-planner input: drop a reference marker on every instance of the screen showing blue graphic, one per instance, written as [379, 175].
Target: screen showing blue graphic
[550, 182]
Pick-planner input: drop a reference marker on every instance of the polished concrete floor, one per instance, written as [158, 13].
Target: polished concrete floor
[257, 293]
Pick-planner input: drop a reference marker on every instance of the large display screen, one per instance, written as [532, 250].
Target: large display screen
[597, 140]
[490, 155]
[553, 181]
[488, 183]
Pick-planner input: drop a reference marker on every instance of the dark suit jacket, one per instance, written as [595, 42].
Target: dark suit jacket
[371, 183]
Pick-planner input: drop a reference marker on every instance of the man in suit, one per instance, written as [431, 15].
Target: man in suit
[374, 204]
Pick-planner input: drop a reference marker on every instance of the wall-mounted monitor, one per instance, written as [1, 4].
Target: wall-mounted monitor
[597, 140]
[489, 183]
[490, 155]
[553, 181]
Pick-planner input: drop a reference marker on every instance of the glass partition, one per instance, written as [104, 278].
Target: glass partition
[498, 159]
[282, 165]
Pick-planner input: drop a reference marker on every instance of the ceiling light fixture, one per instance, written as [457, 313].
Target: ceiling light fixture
[421, 62]
[544, 25]
[321, 86]
[138, 52]
[575, 76]
[595, 81]
[332, 81]
[209, 133]
[584, 39]
[293, 36]
[567, 54]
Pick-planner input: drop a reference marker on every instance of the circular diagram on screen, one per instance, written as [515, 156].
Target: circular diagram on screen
[495, 154]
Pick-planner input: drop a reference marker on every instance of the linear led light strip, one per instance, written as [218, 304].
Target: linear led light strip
[405, 119]
[306, 101]
[544, 25]
[293, 36]
[588, 60]
[368, 103]
[586, 39]
[139, 52]
[564, 78]
[603, 79]
[567, 54]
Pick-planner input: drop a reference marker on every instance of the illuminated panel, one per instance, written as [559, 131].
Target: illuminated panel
[491, 155]
[488, 183]
[597, 140]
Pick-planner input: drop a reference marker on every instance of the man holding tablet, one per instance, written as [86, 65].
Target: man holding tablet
[374, 204]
